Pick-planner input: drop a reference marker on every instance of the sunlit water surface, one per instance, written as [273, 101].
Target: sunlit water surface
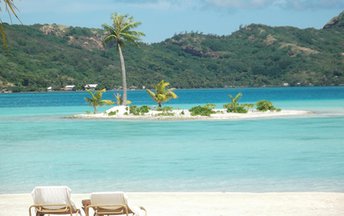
[38, 146]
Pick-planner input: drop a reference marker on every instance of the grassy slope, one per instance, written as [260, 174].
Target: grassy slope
[256, 55]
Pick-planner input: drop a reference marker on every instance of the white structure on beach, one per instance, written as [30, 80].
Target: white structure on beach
[69, 88]
[49, 88]
[91, 86]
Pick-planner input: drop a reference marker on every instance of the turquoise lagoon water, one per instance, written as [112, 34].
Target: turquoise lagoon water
[38, 146]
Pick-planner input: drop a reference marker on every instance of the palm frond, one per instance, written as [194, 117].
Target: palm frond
[237, 97]
[164, 84]
[90, 92]
[151, 93]
[130, 25]
[107, 102]
[162, 94]
[161, 97]
[121, 30]
[231, 97]
[89, 100]
[108, 28]
[10, 7]
[129, 38]
[172, 94]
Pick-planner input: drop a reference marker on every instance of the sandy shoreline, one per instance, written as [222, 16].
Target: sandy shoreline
[211, 203]
[184, 114]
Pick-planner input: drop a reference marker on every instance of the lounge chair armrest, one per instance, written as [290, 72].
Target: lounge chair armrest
[45, 208]
[105, 211]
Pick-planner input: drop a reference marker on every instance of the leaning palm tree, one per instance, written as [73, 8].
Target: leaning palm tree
[120, 32]
[96, 99]
[162, 94]
[10, 8]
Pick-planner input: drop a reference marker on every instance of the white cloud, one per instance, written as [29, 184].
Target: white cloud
[165, 4]
[236, 4]
[314, 4]
[289, 4]
[75, 6]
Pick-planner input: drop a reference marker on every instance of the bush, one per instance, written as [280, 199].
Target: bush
[210, 106]
[135, 110]
[265, 105]
[165, 114]
[205, 110]
[144, 109]
[165, 109]
[112, 113]
[238, 108]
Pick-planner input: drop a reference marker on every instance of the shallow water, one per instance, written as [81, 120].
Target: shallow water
[40, 147]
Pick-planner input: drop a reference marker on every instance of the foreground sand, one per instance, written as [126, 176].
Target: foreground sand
[211, 204]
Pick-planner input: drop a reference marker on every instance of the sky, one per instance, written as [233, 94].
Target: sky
[161, 19]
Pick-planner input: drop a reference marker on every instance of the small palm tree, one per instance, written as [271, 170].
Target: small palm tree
[161, 94]
[10, 8]
[96, 99]
[235, 101]
[235, 107]
[120, 32]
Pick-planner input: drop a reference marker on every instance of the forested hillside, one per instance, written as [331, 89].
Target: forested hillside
[256, 55]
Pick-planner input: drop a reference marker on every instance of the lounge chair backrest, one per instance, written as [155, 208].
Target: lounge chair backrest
[108, 198]
[49, 195]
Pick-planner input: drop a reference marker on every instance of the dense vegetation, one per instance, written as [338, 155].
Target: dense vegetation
[265, 105]
[256, 55]
[205, 110]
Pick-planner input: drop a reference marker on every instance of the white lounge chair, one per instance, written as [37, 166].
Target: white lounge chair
[112, 203]
[52, 200]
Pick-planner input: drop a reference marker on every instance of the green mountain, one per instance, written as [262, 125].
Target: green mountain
[256, 55]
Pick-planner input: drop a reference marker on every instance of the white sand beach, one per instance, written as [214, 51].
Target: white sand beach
[184, 114]
[211, 203]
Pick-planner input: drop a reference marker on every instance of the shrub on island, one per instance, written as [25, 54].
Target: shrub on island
[112, 113]
[265, 105]
[205, 110]
[135, 110]
[166, 111]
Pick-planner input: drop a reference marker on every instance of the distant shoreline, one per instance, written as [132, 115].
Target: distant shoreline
[241, 87]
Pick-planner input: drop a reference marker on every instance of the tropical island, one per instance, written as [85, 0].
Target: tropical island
[122, 32]
[161, 94]
[121, 113]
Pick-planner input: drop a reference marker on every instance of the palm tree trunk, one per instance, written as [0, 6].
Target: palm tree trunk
[94, 109]
[124, 76]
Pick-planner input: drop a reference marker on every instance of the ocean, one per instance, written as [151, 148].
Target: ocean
[39, 146]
